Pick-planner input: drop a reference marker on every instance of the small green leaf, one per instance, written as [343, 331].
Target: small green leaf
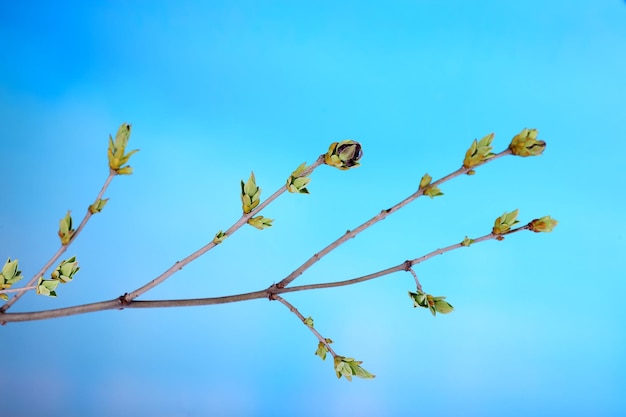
[9, 270]
[9, 275]
[47, 287]
[503, 224]
[117, 151]
[359, 371]
[425, 181]
[442, 306]
[309, 321]
[122, 136]
[219, 237]
[467, 241]
[296, 183]
[260, 222]
[429, 190]
[342, 368]
[66, 270]
[65, 229]
[419, 299]
[322, 349]
[98, 205]
[250, 194]
[127, 170]
[479, 152]
[348, 367]
[545, 224]
[432, 191]
[434, 304]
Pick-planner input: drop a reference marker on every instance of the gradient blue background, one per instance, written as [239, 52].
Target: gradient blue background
[216, 89]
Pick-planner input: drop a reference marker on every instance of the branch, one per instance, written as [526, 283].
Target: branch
[242, 221]
[23, 289]
[271, 293]
[417, 281]
[404, 266]
[29, 285]
[380, 216]
[301, 317]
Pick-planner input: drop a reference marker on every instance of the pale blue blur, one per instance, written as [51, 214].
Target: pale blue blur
[216, 89]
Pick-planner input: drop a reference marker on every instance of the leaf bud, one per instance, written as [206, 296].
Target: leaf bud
[503, 224]
[260, 222]
[525, 144]
[344, 155]
[545, 224]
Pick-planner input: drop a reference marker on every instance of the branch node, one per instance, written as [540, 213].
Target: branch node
[124, 300]
[271, 291]
[408, 265]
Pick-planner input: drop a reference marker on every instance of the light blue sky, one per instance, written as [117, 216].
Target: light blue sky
[217, 89]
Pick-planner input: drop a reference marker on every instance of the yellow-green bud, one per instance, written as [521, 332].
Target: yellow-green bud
[545, 224]
[525, 144]
[503, 224]
[344, 155]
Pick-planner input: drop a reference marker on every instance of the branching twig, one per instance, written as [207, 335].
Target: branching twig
[29, 285]
[417, 281]
[242, 221]
[301, 317]
[23, 289]
[272, 292]
[342, 155]
[380, 216]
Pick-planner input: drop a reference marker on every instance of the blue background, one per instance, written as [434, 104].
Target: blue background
[217, 89]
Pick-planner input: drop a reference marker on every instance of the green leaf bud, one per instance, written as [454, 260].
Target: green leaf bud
[429, 190]
[442, 306]
[219, 237]
[117, 151]
[322, 348]
[260, 222]
[432, 191]
[98, 205]
[65, 229]
[66, 270]
[503, 224]
[434, 304]
[344, 155]
[127, 170]
[479, 152]
[425, 181]
[9, 274]
[526, 144]
[250, 194]
[47, 287]
[348, 367]
[545, 224]
[296, 183]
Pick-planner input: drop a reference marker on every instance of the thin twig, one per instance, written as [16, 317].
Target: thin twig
[10, 290]
[301, 317]
[29, 285]
[272, 292]
[242, 221]
[396, 268]
[380, 216]
[417, 281]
